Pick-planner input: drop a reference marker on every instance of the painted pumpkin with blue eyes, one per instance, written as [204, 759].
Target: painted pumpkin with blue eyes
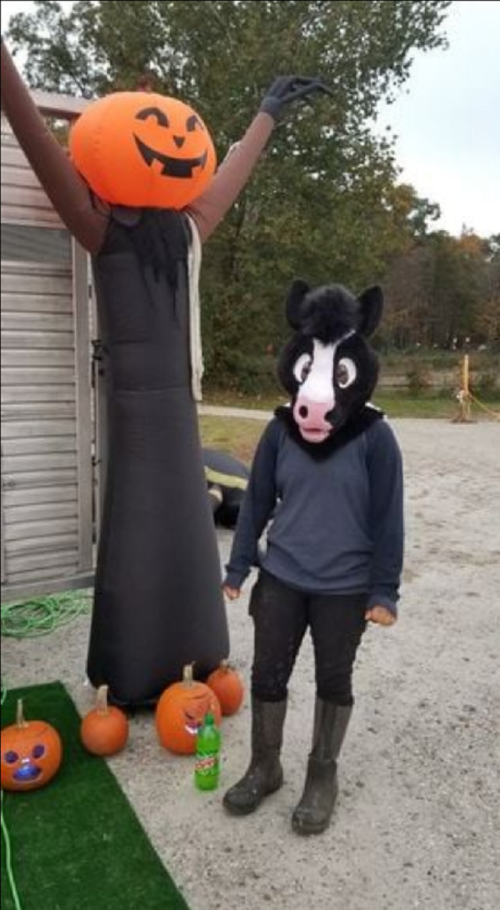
[142, 149]
[31, 753]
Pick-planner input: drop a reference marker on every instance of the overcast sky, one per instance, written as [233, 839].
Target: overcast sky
[446, 118]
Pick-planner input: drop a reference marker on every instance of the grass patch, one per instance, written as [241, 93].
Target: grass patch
[77, 843]
[239, 436]
[235, 435]
[397, 404]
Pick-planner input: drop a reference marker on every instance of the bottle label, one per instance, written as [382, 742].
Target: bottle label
[206, 764]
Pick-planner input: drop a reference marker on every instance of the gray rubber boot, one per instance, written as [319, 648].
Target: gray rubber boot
[265, 774]
[314, 811]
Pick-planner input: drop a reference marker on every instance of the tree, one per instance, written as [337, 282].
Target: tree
[443, 290]
[488, 311]
[323, 204]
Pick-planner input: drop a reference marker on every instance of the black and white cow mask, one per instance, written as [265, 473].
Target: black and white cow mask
[328, 367]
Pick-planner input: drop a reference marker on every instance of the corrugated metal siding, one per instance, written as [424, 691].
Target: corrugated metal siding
[39, 437]
[46, 438]
[23, 199]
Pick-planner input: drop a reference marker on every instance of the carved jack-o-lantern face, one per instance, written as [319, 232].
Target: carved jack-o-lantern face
[143, 149]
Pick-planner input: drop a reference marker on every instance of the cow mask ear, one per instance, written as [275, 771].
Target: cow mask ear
[296, 294]
[371, 303]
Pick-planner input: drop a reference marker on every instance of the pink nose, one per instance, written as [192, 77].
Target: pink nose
[311, 415]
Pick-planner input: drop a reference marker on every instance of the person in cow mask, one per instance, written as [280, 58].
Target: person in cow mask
[327, 483]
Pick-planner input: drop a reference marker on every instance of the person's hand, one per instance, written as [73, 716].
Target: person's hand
[381, 616]
[231, 593]
[287, 89]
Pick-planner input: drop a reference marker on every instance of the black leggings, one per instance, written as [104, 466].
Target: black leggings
[281, 616]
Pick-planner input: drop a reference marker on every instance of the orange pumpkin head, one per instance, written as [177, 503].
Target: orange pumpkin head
[144, 150]
[31, 753]
[181, 710]
[228, 687]
[104, 730]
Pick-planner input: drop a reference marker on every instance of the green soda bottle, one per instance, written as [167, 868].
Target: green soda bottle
[207, 762]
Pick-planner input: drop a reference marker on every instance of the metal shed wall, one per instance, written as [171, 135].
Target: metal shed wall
[47, 435]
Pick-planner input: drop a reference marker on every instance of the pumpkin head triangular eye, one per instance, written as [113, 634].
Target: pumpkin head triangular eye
[160, 116]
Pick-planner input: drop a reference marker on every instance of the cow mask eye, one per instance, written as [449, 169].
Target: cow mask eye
[302, 367]
[345, 372]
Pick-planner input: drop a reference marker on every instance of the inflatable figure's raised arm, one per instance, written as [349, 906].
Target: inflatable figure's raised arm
[65, 188]
[211, 207]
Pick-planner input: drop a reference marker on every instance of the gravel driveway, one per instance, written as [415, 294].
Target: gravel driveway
[417, 824]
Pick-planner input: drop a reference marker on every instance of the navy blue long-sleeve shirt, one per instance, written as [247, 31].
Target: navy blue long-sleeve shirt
[335, 524]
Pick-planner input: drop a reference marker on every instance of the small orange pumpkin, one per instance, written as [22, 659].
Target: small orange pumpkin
[228, 687]
[143, 149]
[104, 730]
[31, 753]
[181, 710]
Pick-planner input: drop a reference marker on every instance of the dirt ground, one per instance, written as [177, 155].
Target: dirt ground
[417, 822]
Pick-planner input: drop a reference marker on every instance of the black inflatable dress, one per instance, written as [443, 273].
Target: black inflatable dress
[158, 602]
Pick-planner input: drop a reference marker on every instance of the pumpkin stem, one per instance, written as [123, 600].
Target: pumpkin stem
[225, 665]
[102, 700]
[20, 721]
[187, 676]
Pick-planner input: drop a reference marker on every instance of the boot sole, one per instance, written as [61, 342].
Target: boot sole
[310, 829]
[305, 828]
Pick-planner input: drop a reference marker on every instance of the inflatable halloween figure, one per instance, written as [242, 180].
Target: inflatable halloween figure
[328, 471]
[227, 480]
[138, 193]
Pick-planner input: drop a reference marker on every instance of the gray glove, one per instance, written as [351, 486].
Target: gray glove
[286, 89]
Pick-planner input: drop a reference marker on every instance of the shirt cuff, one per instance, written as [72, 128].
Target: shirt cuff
[382, 600]
[234, 580]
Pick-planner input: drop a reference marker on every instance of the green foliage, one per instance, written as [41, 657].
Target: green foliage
[486, 385]
[324, 202]
[244, 373]
[444, 292]
[418, 378]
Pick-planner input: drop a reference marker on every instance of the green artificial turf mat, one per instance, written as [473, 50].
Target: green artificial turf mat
[76, 843]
